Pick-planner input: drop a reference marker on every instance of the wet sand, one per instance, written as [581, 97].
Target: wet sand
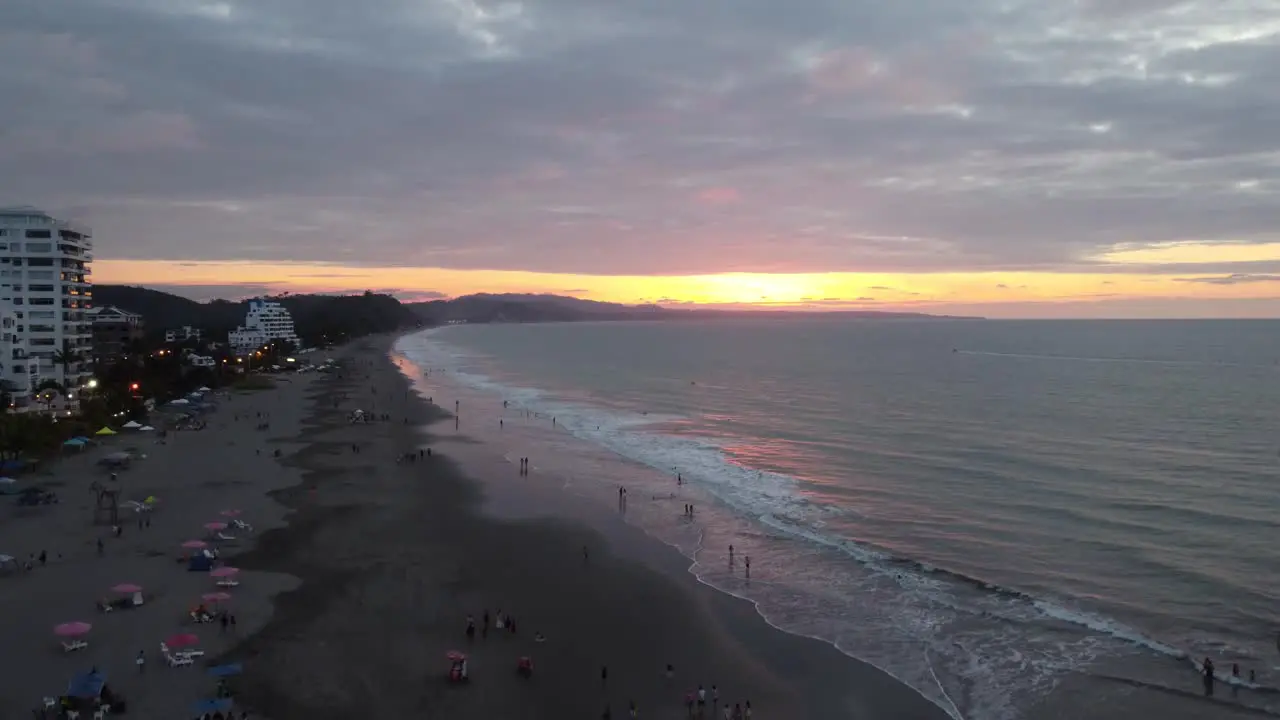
[394, 556]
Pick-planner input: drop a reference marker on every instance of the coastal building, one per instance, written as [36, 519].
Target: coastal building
[115, 332]
[44, 277]
[183, 334]
[266, 322]
[19, 375]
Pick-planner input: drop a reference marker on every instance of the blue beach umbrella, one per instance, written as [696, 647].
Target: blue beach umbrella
[228, 670]
[86, 685]
[208, 706]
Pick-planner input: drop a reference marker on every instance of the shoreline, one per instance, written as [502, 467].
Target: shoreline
[1084, 690]
[616, 609]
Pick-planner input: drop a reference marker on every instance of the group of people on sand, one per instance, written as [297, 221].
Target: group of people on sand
[500, 622]
[696, 704]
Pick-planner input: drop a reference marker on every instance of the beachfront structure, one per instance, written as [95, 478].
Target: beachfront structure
[44, 277]
[115, 332]
[183, 334]
[18, 373]
[266, 322]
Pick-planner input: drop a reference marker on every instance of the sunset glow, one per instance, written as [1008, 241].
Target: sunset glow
[933, 292]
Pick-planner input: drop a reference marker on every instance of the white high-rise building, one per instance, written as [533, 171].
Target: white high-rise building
[20, 374]
[44, 279]
[266, 322]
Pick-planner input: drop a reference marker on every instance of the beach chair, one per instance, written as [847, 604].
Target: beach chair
[178, 660]
[224, 537]
[228, 583]
[73, 645]
[100, 714]
[73, 715]
[50, 703]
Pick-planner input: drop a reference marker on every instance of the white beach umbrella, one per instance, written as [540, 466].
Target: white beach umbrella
[146, 428]
[133, 425]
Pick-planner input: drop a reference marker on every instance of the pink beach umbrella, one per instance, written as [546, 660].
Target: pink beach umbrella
[127, 588]
[216, 597]
[72, 629]
[195, 544]
[214, 526]
[181, 640]
[223, 572]
[229, 513]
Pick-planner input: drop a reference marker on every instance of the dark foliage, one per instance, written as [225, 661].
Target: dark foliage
[317, 318]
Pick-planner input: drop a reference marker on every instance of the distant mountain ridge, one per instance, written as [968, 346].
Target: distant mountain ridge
[332, 317]
[520, 307]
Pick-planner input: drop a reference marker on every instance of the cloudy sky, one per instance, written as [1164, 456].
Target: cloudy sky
[1015, 157]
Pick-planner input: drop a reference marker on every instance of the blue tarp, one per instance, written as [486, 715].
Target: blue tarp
[208, 706]
[227, 670]
[74, 441]
[86, 685]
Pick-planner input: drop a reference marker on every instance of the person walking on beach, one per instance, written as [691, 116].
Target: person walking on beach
[232, 620]
[141, 661]
[746, 559]
[484, 624]
[101, 548]
[224, 621]
[471, 628]
[1208, 677]
[715, 698]
[730, 554]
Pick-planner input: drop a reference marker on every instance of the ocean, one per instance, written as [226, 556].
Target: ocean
[986, 510]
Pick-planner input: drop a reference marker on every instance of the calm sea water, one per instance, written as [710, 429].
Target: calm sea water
[982, 509]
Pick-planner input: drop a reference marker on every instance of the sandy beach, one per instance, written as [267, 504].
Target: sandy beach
[195, 475]
[365, 566]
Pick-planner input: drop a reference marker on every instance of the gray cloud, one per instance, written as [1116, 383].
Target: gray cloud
[646, 137]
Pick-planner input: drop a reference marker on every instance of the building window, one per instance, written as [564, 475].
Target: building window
[40, 288]
[39, 234]
[36, 262]
[35, 301]
[40, 275]
[40, 247]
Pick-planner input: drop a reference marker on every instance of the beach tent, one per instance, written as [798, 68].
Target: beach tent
[87, 685]
[74, 443]
[145, 428]
[105, 431]
[133, 425]
[202, 388]
[83, 439]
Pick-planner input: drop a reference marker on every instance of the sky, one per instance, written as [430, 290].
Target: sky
[1012, 158]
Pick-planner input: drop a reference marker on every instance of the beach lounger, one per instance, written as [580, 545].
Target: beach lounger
[224, 536]
[228, 583]
[50, 703]
[178, 660]
[73, 715]
[73, 645]
[100, 714]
